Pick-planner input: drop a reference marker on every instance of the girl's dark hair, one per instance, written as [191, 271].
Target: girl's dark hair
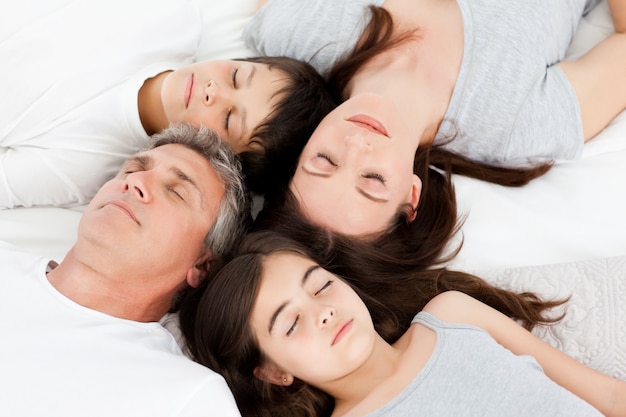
[215, 319]
[379, 36]
[302, 104]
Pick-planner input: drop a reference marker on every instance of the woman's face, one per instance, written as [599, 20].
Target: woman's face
[357, 168]
[230, 97]
[308, 322]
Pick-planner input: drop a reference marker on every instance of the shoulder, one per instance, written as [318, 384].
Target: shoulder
[458, 307]
[449, 303]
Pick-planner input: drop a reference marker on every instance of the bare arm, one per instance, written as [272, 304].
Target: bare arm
[607, 394]
[618, 13]
[599, 80]
[262, 3]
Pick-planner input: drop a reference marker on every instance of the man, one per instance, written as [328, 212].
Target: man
[83, 338]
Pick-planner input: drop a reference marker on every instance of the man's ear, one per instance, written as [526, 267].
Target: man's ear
[197, 273]
[414, 197]
[273, 374]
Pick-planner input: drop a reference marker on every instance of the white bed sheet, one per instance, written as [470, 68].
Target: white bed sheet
[559, 233]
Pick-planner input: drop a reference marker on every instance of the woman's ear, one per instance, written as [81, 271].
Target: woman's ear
[197, 273]
[272, 374]
[414, 197]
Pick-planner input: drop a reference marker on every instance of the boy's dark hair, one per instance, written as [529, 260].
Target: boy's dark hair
[302, 104]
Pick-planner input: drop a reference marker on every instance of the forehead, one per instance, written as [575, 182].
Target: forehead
[318, 199]
[183, 161]
[283, 266]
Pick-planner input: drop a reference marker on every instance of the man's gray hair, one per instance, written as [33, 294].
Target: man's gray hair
[234, 213]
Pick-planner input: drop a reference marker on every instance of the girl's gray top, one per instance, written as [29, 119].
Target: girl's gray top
[510, 104]
[470, 374]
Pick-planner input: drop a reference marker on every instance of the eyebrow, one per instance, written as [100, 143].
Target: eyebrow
[317, 174]
[280, 309]
[185, 178]
[370, 196]
[144, 161]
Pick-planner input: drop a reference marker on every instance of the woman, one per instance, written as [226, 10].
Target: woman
[489, 73]
[291, 338]
[80, 97]
[482, 122]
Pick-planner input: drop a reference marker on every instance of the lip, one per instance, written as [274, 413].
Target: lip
[189, 90]
[369, 123]
[343, 331]
[122, 206]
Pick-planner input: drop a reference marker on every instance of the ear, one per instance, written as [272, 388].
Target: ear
[197, 273]
[273, 374]
[414, 196]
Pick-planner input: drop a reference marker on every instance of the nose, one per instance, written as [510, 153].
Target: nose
[358, 141]
[327, 315]
[213, 93]
[138, 185]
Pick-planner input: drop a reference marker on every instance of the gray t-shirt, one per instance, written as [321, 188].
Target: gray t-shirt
[470, 374]
[510, 104]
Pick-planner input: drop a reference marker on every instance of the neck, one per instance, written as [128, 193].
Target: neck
[420, 75]
[352, 390]
[106, 293]
[150, 105]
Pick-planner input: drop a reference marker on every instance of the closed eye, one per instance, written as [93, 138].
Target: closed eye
[327, 158]
[227, 119]
[324, 287]
[177, 194]
[134, 164]
[293, 326]
[375, 176]
[234, 76]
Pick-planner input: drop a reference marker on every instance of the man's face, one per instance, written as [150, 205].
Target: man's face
[152, 218]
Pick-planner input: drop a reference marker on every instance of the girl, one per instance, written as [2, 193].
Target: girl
[79, 97]
[293, 339]
[486, 72]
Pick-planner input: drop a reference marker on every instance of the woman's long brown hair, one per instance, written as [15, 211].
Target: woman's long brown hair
[380, 36]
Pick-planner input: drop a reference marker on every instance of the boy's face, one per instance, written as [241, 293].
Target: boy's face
[230, 97]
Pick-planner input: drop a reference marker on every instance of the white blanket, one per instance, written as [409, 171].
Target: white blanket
[594, 328]
[563, 233]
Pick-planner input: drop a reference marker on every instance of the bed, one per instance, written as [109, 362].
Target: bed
[563, 234]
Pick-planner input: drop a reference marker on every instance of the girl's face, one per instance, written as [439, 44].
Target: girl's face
[308, 322]
[357, 167]
[230, 97]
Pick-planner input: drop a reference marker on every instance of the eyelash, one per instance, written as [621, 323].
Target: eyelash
[375, 176]
[325, 286]
[295, 323]
[227, 119]
[234, 77]
[326, 157]
[293, 326]
[177, 194]
[234, 81]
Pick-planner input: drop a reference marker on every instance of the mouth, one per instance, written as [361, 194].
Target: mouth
[189, 90]
[369, 123]
[343, 331]
[124, 209]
